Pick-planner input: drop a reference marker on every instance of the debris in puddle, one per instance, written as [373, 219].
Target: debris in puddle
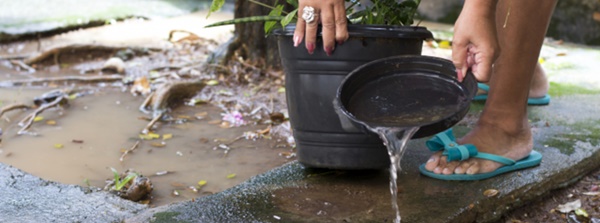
[129, 185]
[179, 153]
[59, 146]
[50, 122]
[114, 65]
[13, 107]
[193, 189]
[161, 173]
[201, 183]
[167, 136]
[149, 136]
[276, 217]
[231, 176]
[175, 193]
[150, 124]
[26, 123]
[135, 146]
[77, 141]
[159, 144]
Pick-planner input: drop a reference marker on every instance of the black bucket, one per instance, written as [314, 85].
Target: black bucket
[405, 91]
[311, 83]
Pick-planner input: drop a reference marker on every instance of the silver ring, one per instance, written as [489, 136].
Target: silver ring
[308, 14]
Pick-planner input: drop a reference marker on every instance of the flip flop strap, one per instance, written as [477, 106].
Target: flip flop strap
[495, 158]
[455, 152]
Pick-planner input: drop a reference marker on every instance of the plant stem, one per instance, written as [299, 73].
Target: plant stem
[265, 5]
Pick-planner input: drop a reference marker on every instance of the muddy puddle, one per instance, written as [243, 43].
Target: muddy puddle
[80, 143]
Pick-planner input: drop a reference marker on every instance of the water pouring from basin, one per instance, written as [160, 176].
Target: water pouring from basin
[403, 97]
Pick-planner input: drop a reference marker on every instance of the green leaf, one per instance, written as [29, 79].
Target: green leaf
[288, 18]
[246, 20]
[215, 6]
[271, 24]
[293, 3]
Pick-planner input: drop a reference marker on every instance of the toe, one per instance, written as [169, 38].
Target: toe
[450, 168]
[463, 167]
[433, 162]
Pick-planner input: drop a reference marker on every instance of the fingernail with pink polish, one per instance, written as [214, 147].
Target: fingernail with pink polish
[311, 48]
[329, 50]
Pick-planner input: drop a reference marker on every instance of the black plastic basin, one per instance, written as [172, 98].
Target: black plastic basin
[405, 91]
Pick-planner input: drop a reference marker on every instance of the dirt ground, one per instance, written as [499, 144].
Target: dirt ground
[546, 209]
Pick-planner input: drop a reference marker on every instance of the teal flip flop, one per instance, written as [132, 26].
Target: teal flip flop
[445, 141]
[544, 100]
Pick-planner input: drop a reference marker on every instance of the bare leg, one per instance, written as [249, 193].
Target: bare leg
[503, 128]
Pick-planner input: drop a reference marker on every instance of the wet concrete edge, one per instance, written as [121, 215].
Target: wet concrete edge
[27, 198]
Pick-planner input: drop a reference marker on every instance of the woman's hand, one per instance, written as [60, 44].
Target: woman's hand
[475, 43]
[331, 14]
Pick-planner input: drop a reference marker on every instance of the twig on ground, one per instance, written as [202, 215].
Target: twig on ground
[28, 120]
[156, 118]
[11, 107]
[21, 64]
[80, 79]
[135, 146]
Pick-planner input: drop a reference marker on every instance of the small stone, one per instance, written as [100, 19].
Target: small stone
[491, 192]
[114, 64]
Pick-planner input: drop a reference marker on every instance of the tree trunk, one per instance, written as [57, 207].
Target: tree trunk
[249, 41]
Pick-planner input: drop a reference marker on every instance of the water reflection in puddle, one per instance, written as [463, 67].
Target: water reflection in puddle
[107, 123]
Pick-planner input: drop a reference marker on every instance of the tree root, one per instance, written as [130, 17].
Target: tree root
[148, 127]
[28, 120]
[80, 79]
[55, 53]
[170, 95]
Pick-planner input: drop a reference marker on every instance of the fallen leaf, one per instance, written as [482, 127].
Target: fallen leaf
[212, 82]
[77, 141]
[569, 206]
[581, 212]
[38, 118]
[51, 122]
[158, 144]
[58, 146]
[202, 182]
[231, 176]
[167, 136]
[592, 193]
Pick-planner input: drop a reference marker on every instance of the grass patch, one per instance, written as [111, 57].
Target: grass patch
[587, 131]
[557, 89]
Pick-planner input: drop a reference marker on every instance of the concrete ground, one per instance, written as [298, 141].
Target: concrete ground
[567, 133]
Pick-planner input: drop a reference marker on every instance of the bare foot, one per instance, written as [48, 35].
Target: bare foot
[488, 138]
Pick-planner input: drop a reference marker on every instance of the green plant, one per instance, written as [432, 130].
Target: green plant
[120, 183]
[382, 12]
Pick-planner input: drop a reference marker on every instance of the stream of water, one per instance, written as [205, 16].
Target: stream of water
[395, 139]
